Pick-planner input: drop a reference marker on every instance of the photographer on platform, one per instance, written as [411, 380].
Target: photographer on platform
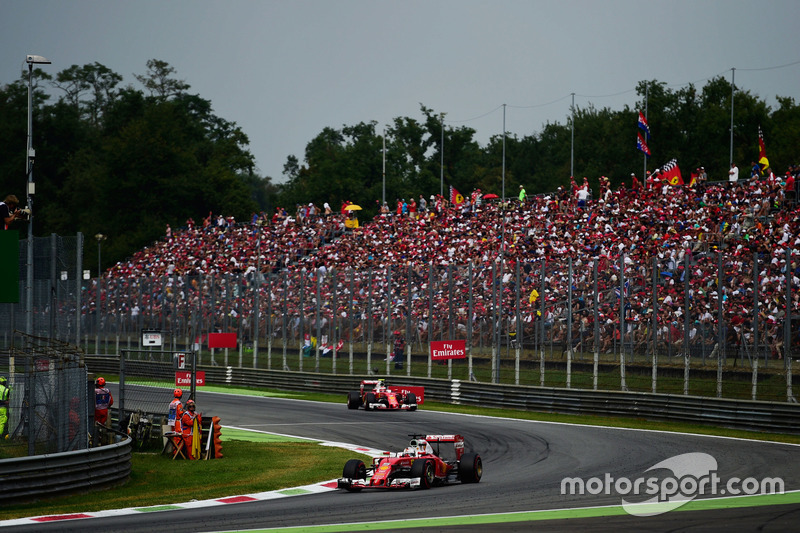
[9, 212]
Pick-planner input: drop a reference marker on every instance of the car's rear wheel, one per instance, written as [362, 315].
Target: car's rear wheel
[369, 401]
[354, 469]
[423, 469]
[470, 468]
[353, 400]
[411, 399]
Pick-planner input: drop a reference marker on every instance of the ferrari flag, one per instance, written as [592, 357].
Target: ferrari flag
[643, 125]
[763, 162]
[672, 173]
[642, 145]
[455, 197]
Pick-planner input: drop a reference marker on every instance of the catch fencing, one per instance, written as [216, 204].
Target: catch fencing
[710, 314]
[50, 405]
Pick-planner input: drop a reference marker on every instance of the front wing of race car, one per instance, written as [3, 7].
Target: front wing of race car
[404, 406]
[394, 483]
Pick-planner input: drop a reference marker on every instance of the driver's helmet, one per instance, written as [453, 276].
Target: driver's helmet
[418, 447]
[380, 386]
[424, 447]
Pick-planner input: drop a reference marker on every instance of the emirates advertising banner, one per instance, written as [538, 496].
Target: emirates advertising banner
[184, 379]
[444, 350]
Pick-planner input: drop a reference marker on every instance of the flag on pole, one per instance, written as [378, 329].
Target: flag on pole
[643, 125]
[672, 173]
[642, 145]
[763, 162]
[455, 197]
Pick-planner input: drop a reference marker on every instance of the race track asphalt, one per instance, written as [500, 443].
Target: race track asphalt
[524, 464]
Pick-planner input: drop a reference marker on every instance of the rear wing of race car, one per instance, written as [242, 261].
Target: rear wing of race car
[457, 440]
[444, 438]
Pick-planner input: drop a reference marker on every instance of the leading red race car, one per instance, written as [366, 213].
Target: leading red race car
[423, 464]
[374, 394]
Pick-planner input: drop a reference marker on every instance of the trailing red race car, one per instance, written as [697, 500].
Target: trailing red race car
[423, 464]
[374, 394]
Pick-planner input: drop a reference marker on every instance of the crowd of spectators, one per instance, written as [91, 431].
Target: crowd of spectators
[647, 242]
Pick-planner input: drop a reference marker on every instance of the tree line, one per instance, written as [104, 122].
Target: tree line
[125, 161]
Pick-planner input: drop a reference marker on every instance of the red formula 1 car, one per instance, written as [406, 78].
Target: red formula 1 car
[374, 394]
[424, 463]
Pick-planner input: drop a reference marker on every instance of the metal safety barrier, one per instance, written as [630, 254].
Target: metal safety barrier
[777, 417]
[30, 478]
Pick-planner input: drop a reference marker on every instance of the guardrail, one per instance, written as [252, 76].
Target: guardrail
[776, 417]
[30, 478]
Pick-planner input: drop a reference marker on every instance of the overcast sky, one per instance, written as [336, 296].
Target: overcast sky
[284, 70]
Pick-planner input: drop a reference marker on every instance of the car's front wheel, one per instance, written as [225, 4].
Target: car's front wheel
[354, 469]
[353, 400]
[423, 469]
[369, 400]
[411, 399]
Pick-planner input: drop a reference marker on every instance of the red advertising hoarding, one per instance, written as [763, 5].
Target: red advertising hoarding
[419, 392]
[222, 340]
[184, 379]
[443, 350]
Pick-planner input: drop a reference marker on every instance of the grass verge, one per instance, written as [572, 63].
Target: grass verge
[246, 468]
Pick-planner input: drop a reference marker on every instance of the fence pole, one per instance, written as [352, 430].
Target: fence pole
[409, 333]
[721, 353]
[518, 327]
[542, 320]
[596, 322]
[569, 323]
[787, 317]
[269, 325]
[430, 317]
[451, 317]
[286, 323]
[469, 323]
[257, 304]
[350, 316]
[755, 378]
[387, 330]
[334, 318]
[317, 319]
[368, 292]
[495, 319]
[78, 280]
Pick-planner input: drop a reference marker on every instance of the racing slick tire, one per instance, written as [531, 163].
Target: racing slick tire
[423, 469]
[470, 468]
[411, 399]
[369, 400]
[353, 400]
[354, 469]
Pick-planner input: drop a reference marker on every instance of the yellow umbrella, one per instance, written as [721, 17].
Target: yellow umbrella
[353, 207]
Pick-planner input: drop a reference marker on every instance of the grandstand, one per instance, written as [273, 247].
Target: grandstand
[678, 261]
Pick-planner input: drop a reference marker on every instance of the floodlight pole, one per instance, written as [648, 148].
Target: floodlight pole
[30, 155]
[733, 90]
[97, 310]
[441, 161]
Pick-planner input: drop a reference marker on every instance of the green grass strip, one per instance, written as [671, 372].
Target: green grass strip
[534, 516]
[229, 434]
